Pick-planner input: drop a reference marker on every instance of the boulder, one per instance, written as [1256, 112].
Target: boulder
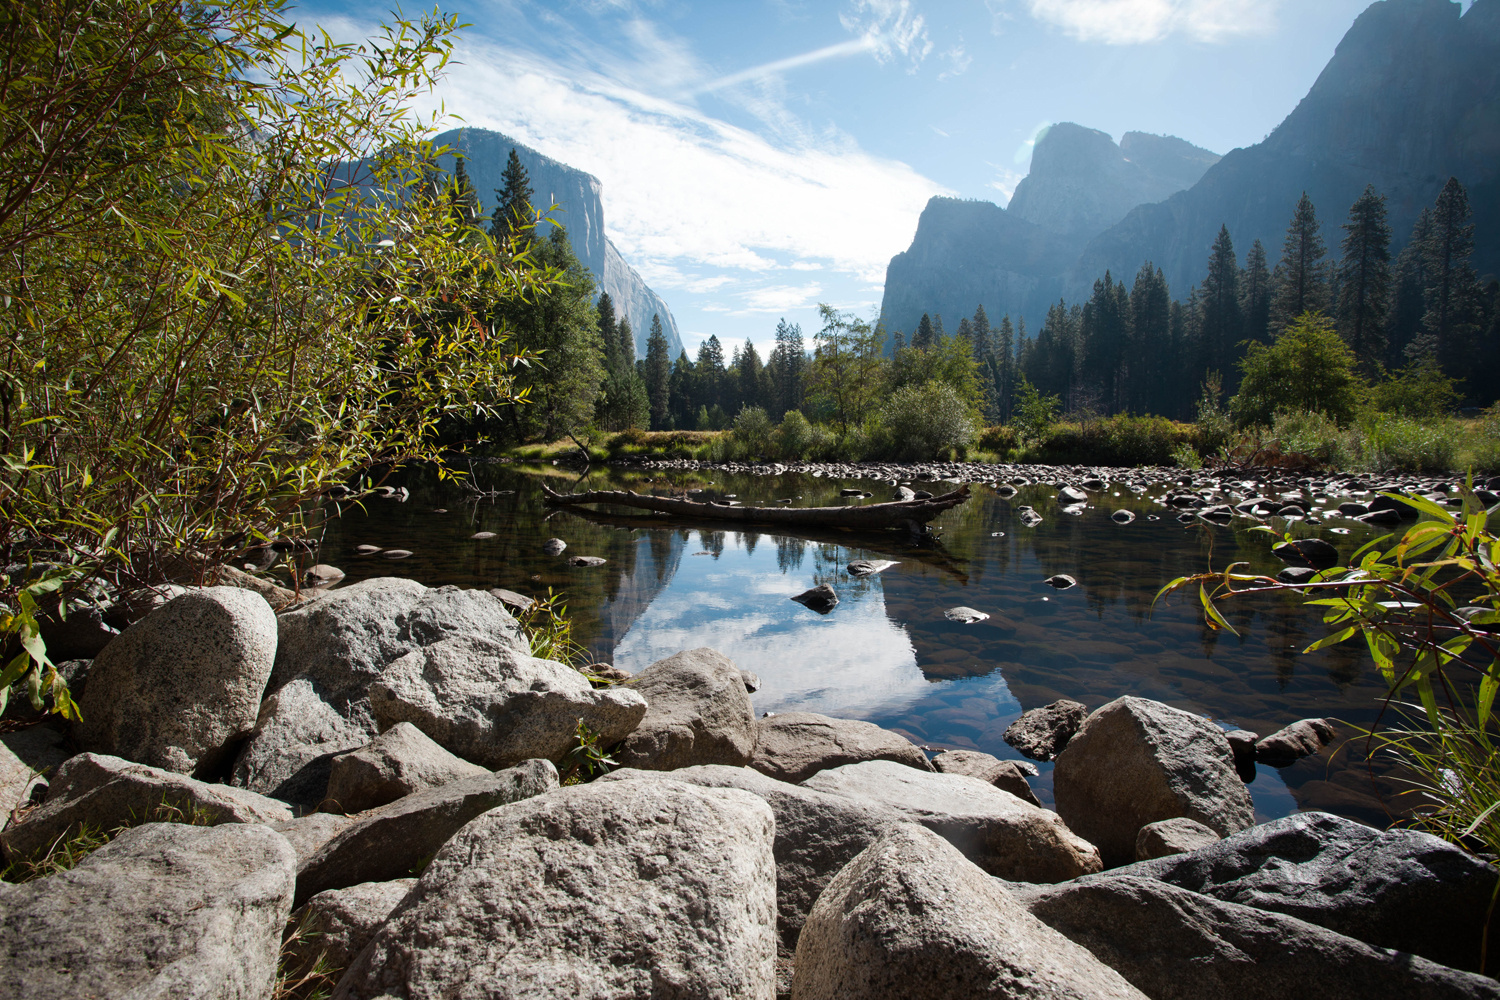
[162, 911]
[1242, 745]
[494, 704]
[307, 834]
[1399, 889]
[911, 917]
[1005, 775]
[1071, 495]
[336, 925]
[618, 889]
[1172, 836]
[965, 615]
[181, 687]
[997, 831]
[397, 839]
[107, 792]
[1290, 744]
[697, 712]
[1041, 733]
[794, 746]
[398, 762]
[290, 755]
[1311, 552]
[28, 759]
[1174, 944]
[822, 598]
[276, 596]
[1136, 761]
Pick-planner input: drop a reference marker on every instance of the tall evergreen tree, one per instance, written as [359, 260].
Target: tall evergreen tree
[605, 307]
[625, 403]
[1255, 294]
[925, 337]
[786, 368]
[658, 374]
[1408, 291]
[711, 373]
[681, 387]
[752, 377]
[1151, 346]
[1365, 281]
[513, 219]
[1179, 379]
[1220, 323]
[1452, 299]
[898, 342]
[462, 195]
[1299, 284]
[938, 333]
[1104, 338]
[1003, 366]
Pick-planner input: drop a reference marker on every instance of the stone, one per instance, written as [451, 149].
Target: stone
[1399, 889]
[751, 680]
[1290, 744]
[482, 536]
[1122, 516]
[493, 704]
[1072, 495]
[398, 762]
[82, 634]
[870, 567]
[322, 575]
[1136, 761]
[278, 597]
[1296, 574]
[297, 735]
[1005, 775]
[336, 925]
[518, 601]
[1172, 836]
[181, 688]
[793, 746]
[162, 912]
[1061, 581]
[108, 792]
[397, 553]
[28, 759]
[554, 546]
[821, 599]
[1173, 944]
[307, 834]
[587, 561]
[910, 917]
[697, 712]
[1041, 733]
[965, 615]
[610, 889]
[389, 842]
[993, 828]
[1312, 552]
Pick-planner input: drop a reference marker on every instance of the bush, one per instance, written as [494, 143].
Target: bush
[1317, 436]
[1117, 440]
[631, 439]
[999, 440]
[927, 421]
[1418, 390]
[752, 432]
[1399, 444]
[1307, 368]
[794, 437]
[1035, 413]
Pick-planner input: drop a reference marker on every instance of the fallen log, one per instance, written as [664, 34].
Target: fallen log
[907, 514]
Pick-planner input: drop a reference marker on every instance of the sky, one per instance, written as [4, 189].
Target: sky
[759, 157]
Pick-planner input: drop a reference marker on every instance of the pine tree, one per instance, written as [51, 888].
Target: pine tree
[1365, 280]
[1219, 320]
[1003, 366]
[462, 196]
[625, 342]
[658, 374]
[966, 331]
[1404, 319]
[711, 373]
[681, 388]
[625, 403]
[605, 307]
[1299, 283]
[754, 380]
[898, 342]
[1255, 294]
[1104, 338]
[786, 368]
[513, 220]
[1151, 348]
[1453, 293]
[925, 337]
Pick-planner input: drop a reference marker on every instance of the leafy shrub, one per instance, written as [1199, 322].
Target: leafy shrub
[1214, 425]
[927, 421]
[822, 443]
[752, 432]
[794, 436]
[1316, 435]
[1000, 440]
[1418, 390]
[1117, 440]
[1309, 367]
[1035, 413]
[1400, 444]
[1186, 456]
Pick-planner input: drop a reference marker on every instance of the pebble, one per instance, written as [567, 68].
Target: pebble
[396, 553]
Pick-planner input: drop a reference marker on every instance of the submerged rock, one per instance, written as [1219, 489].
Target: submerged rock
[1290, 744]
[821, 598]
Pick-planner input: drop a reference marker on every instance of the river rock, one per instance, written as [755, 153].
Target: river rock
[336, 925]
[1005, 775]
[554, 546]
[162, 911]
[1312, 552]
[1296, 574]
[28, 760]
[1399, 889]
[793, 746]
[965, 615]
[276, 596]
[821, 598]
[492, 703]
[322, 576]
[1041, 733]
[1173, 944]
[398, 762]
[697, 712]
[587, 561]
[179, 687]
[1136, 761]
[1122, 516]
[389, 842]
[911, 917]
[617, 889]
[1061, 581]
[107, 792]
[1178, 835]
[996, 830]
[870, 567]
[296, 738]
[307, 834]
[1071, 495]
[1290, 744]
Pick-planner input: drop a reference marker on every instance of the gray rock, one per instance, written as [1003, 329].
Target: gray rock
[821, 598]
[336, 925]
[1061, 581]
[1397, 889]
[1172, 836]
[1290, 744]
[307, 834]
[994, 829]
[697, 712]
[965, 615]
[1136, 761]
[82, 634]
[870, 567]
[162, 912]
[1173, 944]
[1041, 733]
[399, 761]
[620, 889]
[1122, 516]
[28, 759]
[1296, 574]
[179, 687]
[1072, 495]
[1005, 775]
[107, 792]
[322, 575]
[751, 681]
[394, 840]
[794, 746]
[1242, 745]
[276, 596]
[290, 755]
[494, 704]
[587, 561]
[554, 546]
[910, 917]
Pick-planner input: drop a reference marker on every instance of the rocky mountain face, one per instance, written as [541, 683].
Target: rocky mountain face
[1410, 98]
[580, 209]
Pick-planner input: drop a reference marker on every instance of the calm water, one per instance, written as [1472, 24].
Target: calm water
[886, 653]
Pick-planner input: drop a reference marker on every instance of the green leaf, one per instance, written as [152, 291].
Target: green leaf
[1489, 684]
[1213, 612]
[1332, 640]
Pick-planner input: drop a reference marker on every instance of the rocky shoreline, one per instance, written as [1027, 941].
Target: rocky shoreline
[367, 783]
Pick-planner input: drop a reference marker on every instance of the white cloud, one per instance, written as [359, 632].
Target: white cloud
[1135, 22]
[891, 29]
[958, 61]
[1005, 181]
[778, 298]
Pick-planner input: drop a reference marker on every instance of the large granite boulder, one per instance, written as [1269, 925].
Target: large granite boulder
[911, 917]
[28, 759]
[994, 829]
[1174, 944]
[697, 712]
[335, 926]
[1006, 775]
[1042, 733]
[492, 703]
[393, 841]
[1399, 889]
[1178, 835]
[1136, 761]
[181, 687]
[398, 762]
[163, 912]
[105, 793]
[619, 889]
[794, 746]
[296, 738]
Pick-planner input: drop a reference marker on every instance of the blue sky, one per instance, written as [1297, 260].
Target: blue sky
[761, 156]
